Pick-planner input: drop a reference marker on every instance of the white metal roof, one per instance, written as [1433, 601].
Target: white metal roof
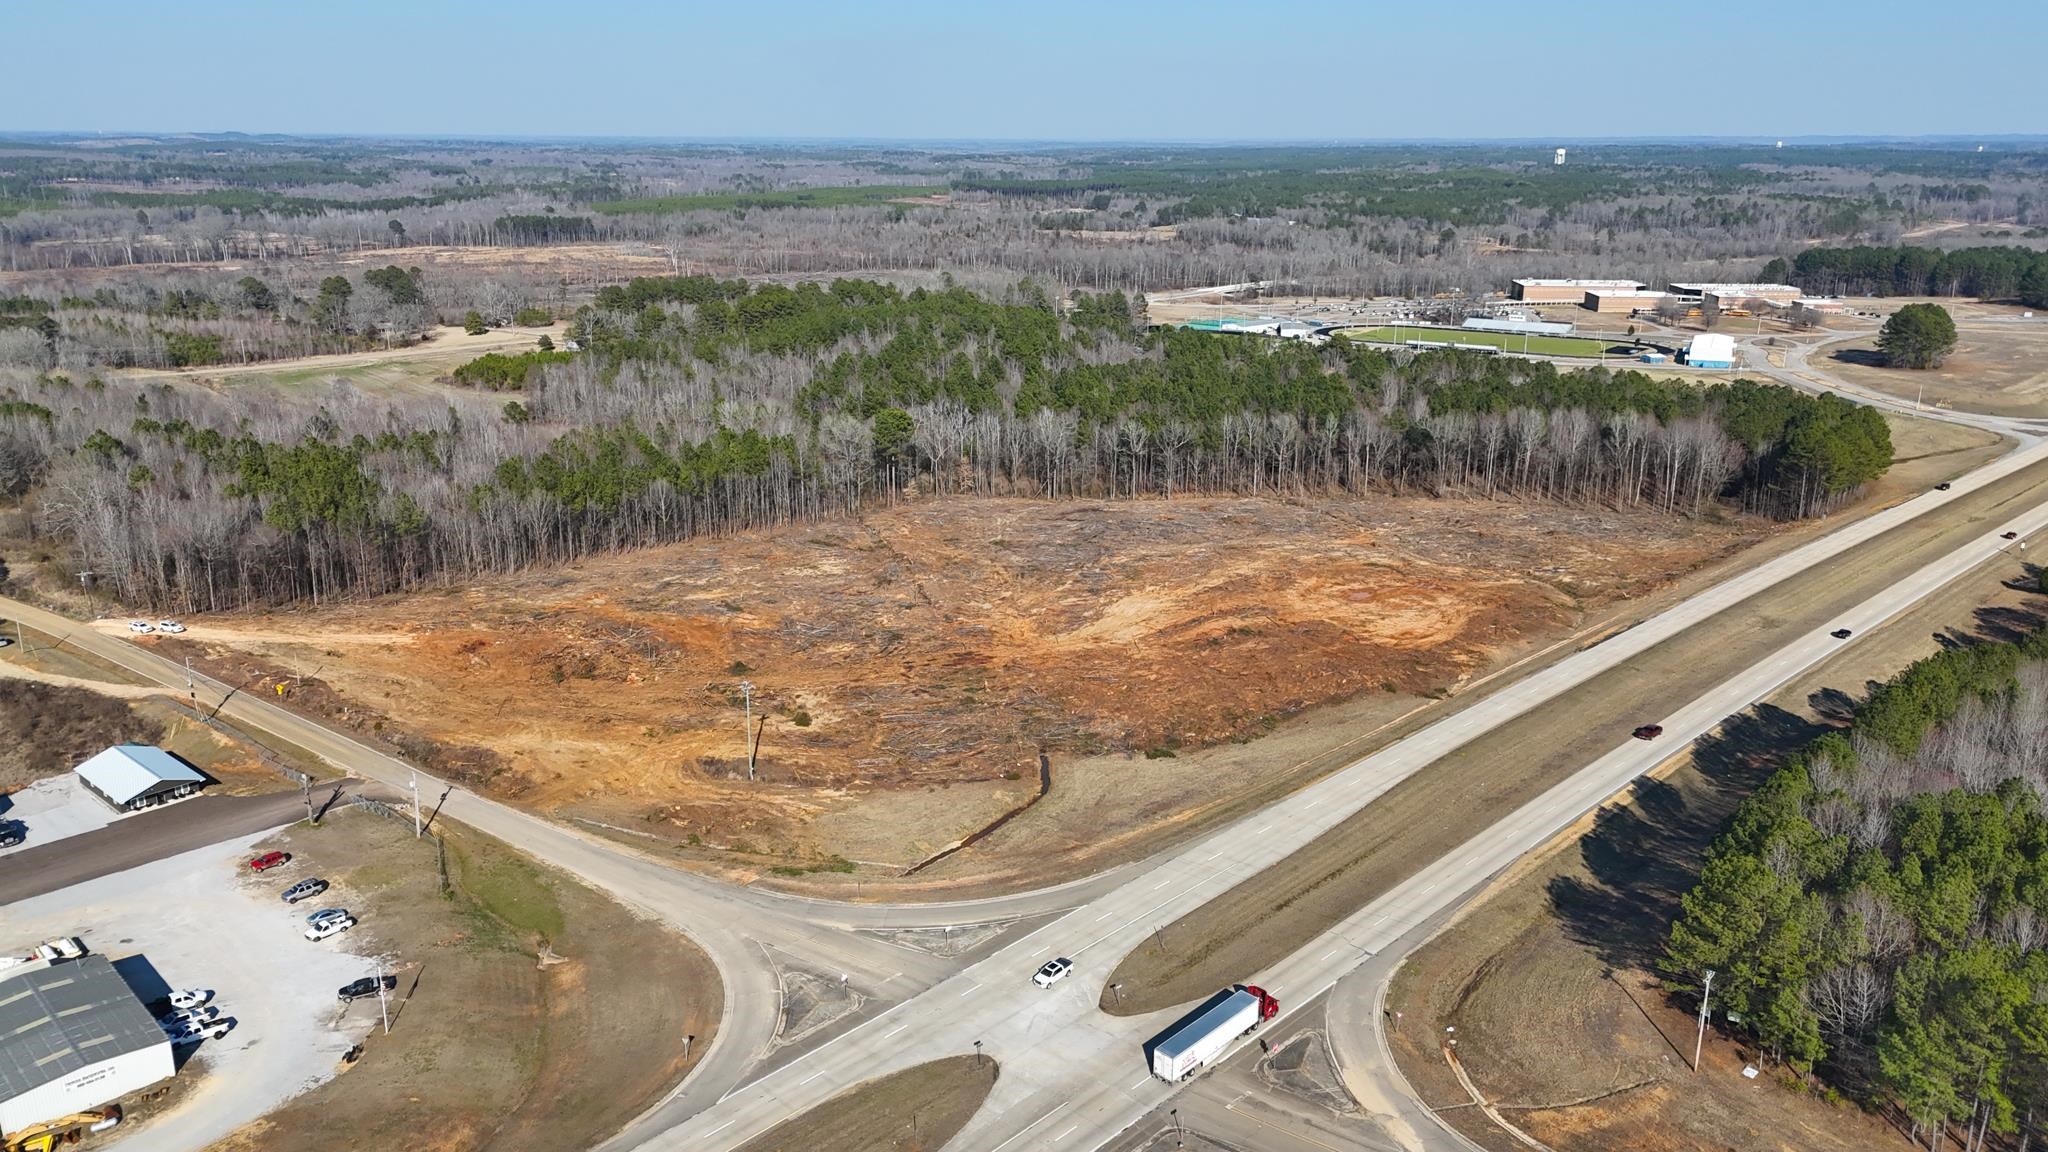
[1711, 346]
[1527, 283]
[1738, 289]
[125, 771]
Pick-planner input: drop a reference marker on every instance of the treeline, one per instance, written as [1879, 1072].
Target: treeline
[1879, 908]
[707, 406]
[1996, 273]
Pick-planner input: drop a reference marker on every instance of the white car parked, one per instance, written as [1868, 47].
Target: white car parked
[141, 627]
[210, 1030]
[171, 626]
[190, 997]
[187, 1018]
[334, 927]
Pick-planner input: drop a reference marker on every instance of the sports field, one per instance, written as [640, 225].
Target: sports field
[1507, 341]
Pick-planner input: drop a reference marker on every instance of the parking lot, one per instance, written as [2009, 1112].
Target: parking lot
[201, 919]
[52, 809]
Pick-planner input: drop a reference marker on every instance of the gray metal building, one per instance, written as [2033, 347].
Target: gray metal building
[73, 1036]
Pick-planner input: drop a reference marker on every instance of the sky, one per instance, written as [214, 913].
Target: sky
[1054, 70]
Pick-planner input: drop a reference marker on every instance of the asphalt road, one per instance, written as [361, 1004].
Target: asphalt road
[1095, 1083]
[1075, 1076]
[144, 838]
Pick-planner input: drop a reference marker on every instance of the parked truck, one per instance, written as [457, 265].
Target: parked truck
[1181, 1051]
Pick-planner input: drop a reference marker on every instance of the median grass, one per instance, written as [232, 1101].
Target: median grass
[917, 1108]
[1507, 341]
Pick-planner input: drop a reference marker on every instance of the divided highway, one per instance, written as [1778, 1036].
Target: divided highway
[1074, 1076]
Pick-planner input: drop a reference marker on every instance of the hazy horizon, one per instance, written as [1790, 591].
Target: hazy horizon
[916, 71]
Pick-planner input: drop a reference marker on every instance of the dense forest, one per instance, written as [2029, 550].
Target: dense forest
[1402, 220]
[1879, 908]
[1990, 273]
[700, 405]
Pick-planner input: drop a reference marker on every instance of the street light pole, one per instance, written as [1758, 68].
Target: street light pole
[383, 1005]
[1699, 1042]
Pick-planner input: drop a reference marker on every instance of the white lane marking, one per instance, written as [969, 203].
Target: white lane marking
[1260, 828]
[721, 1128]
[893, 1031]
[811, 1077]
[1105, 916]
[1029, 1127]
[1141, 1080]
[1332, 952]
[1064, 1135]
[969, 992]
[1162, 884]
[1214, 855]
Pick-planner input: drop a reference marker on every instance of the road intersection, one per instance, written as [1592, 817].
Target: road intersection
[1074, 1076]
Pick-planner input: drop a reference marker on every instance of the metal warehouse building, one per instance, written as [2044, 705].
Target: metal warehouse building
[130, 777]
[1563, 291]
[1711, 350]
[73, 1036]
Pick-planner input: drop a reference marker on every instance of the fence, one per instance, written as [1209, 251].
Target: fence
[369, 804]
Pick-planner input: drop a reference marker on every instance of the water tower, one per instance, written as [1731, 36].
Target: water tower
[1559, 158]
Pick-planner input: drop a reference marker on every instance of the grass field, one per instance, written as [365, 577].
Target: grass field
[1537, 345]
[909, 1111]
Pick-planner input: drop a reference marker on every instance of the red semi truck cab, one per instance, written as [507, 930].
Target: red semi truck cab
[1269, 1007]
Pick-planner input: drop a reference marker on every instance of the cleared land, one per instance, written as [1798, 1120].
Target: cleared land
[1461, 795]
[912, 664]
[490, 1048]
[2000, 366]
[416, 368]
[1556, 957]
[914, 1110]
[1536, 345]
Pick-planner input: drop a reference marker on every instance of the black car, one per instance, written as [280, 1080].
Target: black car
[2008, 535]
[367, 986]
[1941, 487]
[10, 834]
[1841, 633]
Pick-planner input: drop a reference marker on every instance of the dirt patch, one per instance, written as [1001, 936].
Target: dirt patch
[915, 1110]
[490, 1047]
[921, 658]
[1554, 960]
[1460, 795]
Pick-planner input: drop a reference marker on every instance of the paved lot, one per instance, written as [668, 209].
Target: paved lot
[53, 809]
[40, 866]
[195, 920]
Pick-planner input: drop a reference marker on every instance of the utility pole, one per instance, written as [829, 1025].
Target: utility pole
[415, 803]
[747, 727]
[686, 1046]
[1700, 1041]
[1117, 991]
[306, 793]
[383, 1005]
[977, 1052]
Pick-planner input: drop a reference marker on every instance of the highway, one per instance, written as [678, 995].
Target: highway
[1073, 1076]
